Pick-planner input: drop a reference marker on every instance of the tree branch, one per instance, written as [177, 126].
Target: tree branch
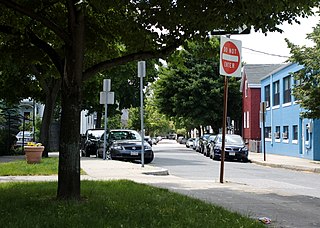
[143, 55]
[37, 42]
[44, 46]
[27, 12]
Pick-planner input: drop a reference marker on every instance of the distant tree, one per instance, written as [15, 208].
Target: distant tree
[190, 86]
[124, 83]
[307, 87]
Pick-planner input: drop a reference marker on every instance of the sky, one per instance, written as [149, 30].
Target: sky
[274, 42]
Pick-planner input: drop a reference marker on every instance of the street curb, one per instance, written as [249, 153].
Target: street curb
[161, 172]
[291, 167]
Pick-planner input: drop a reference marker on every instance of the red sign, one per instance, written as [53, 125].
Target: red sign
[230, 57]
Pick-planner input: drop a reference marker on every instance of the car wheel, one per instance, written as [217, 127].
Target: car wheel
[216, 158]
[149, 159]
[245, 159]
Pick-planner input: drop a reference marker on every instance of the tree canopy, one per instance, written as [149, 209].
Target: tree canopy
[191, 87]
[84, 38]
[307, 88]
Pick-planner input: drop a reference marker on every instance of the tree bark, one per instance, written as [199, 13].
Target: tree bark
[69, 153]
[52, 92]
[69, 148]
[99, 117]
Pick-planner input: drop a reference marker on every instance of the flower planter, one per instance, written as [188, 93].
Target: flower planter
[33, 154]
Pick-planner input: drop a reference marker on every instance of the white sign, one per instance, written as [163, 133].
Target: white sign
[106, 97]
[141, 69]
[230, 57]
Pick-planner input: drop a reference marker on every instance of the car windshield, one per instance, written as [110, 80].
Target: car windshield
[26, 134]
[124, 135]
[232, 139]
[95, 134]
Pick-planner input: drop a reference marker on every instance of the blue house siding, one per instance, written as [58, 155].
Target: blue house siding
[316, 140]
[285, 132]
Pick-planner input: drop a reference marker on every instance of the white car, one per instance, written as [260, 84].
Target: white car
[23, 138]
[189, 142]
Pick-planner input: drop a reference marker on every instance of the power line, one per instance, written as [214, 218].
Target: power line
[266, 53]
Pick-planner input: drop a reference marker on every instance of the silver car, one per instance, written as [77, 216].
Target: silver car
[24, 137]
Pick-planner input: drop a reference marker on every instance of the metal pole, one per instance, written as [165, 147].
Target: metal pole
[141, 117]
[225, 108]
[34, 122]
[23, 122]
[264, 138]
[105, 129]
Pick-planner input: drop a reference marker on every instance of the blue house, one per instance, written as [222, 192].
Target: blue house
[286, 132]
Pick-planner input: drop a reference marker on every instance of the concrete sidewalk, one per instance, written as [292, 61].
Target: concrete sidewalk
[98, 169]
[287, 162]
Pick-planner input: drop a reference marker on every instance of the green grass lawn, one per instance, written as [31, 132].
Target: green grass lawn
[110, 204]
[47, 166]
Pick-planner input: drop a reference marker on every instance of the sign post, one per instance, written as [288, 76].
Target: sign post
[263, 120]
[106, 97]
[230, 65]
[141, 75]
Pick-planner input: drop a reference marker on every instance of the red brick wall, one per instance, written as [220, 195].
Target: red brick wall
[251, 104]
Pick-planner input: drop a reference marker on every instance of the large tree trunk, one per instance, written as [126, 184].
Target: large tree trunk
[69, 154]
[52, 92]
[69, 149]
[99, 117]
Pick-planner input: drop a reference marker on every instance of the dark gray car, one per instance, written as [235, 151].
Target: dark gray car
[234, 148]
[124, 144]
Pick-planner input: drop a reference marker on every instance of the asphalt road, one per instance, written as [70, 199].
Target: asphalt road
[289, 198]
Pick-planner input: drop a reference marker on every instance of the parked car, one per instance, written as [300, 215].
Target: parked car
[148, 139]
[189, 143]
[235, 148]
[24, 137]
[179, 139]
[195, 145]
[125, 144]
[183, 141]
[154, 141]
[202, 142]
[89, 142]
[206, 145]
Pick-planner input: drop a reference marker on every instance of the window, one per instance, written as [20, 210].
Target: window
[277, 132]
[297, 82]
[246, 120]
[267, 132]
[287, 89]
[295, 132]
[276, 93]
[267, 95]
[248, 125]
[285, 133]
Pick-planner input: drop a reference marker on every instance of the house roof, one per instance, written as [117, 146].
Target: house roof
[255, 72]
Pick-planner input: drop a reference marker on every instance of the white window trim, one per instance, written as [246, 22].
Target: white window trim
[294, 141]
[277, 140]
[248, 120]
[276, 107]
[286, 104]
[285, 141]
[268, 139]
